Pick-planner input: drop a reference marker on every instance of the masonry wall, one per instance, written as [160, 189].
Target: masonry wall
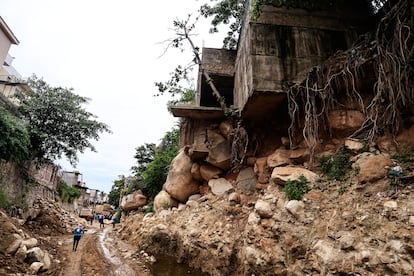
[282, 46]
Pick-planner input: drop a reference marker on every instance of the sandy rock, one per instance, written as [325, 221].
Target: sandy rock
[253, 218]
[405, 138]
[234, 198]
[353, 145]
[261, 169]
[15, 240]
[372, 167]
[34, 254]
[282, 174]
[192, 203]
[208, 172]
[133, 201]
[326, 252]
[195, 172]
[30, 243]
[21, 253]
[345, 122]
[279, 157]
[246, 180]
[263, 208]
[35, 267]
[194, 197]
[346, 241]
[225, 128]
[47, 262]
[219, 151]
[180, 183]
[163, 200]
[295, 207]
[391, 204]
[219, 186]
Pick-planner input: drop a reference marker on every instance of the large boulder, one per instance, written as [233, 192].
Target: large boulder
[372, 167]
[163, 200]
[282, 174]
[180, 183]
[279, 157]
[345, 122]
[219, 186]
[208, 172]
[133, 201]
[219, 151]
[246, 180]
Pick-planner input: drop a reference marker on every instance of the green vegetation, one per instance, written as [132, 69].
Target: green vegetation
[4, 201]
[15, 141]
[57, 123]
[231, 12]
[115, 193]
[227, 12]
[156, 171]
[336, 166]
[150, 207]
[295, 189]
[404, 157]
[67, 193]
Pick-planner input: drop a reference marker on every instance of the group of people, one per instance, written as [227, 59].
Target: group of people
[80, 229]
[99, 217]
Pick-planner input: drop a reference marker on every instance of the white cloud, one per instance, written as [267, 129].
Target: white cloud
[107, 51]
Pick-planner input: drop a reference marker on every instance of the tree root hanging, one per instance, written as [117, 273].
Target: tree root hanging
[384, 60]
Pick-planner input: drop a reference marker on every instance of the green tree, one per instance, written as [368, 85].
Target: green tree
[14, 138]
[231, 12]
[156, 171]
[144, 155]
[115, 193]
[183, 32]
[67, 193]
[227, 12]
[58, 124]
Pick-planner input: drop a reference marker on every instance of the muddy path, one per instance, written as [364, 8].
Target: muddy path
[99, 253]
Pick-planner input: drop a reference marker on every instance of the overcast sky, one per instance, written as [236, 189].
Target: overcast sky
[108, 51]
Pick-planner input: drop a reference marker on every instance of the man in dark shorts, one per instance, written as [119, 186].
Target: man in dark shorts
[77, 234]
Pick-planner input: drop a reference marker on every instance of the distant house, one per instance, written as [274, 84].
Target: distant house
[11, 82]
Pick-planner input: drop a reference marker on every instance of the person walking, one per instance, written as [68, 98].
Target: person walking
[79, 230]
[101, 221]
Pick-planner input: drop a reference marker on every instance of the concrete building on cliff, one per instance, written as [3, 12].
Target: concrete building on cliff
[274, 51]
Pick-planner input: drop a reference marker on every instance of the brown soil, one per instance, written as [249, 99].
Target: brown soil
[99, 251]
[90, 259]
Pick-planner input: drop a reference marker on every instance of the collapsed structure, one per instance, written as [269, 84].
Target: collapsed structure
[275, 83]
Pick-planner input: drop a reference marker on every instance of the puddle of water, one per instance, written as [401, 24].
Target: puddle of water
[168, 266]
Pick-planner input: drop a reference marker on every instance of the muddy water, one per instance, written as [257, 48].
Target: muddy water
[168, 266]
[120, 268]
[164, 266]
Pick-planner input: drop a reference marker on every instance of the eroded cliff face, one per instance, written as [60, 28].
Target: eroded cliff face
[366, 230]
[361, 225]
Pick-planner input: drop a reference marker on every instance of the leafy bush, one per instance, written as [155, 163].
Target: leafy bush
[150, 207]
[156, 171]
[15, 141]
[295, 189]
[67, 193]
[405, 158]
[4, 201]
[336, 166]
